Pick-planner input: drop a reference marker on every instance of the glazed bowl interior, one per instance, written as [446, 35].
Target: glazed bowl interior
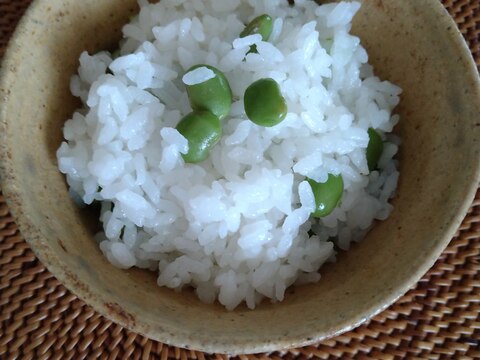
[411, 43]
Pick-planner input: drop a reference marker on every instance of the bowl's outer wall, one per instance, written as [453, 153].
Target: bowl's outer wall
[412, 43]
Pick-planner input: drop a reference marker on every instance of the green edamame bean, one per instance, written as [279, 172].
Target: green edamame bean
[213, 95]
[115, 54]
[327, 194]
[328, 45]
[203, 130]
[262, 25]
[374, 149]
[264, 103]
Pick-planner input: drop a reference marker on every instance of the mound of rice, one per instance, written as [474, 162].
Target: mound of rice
[237, 226]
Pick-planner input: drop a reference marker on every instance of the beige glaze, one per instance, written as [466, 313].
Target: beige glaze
[412, 43]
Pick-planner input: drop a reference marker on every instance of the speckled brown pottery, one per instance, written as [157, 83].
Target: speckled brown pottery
[412, 43]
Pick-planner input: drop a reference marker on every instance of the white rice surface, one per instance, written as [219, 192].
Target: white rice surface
[236, 226]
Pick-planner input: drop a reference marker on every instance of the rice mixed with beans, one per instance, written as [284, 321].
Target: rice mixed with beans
[235, 146]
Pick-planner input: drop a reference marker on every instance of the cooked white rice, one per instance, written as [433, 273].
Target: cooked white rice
[236, 226]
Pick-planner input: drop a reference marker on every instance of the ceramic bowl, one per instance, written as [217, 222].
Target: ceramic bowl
[412, 43]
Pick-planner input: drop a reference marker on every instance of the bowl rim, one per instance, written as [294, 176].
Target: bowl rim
[31, 235]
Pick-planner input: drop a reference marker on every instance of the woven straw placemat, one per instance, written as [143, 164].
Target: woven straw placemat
[438, 319]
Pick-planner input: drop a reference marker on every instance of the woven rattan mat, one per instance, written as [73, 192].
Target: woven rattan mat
[439, 319]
